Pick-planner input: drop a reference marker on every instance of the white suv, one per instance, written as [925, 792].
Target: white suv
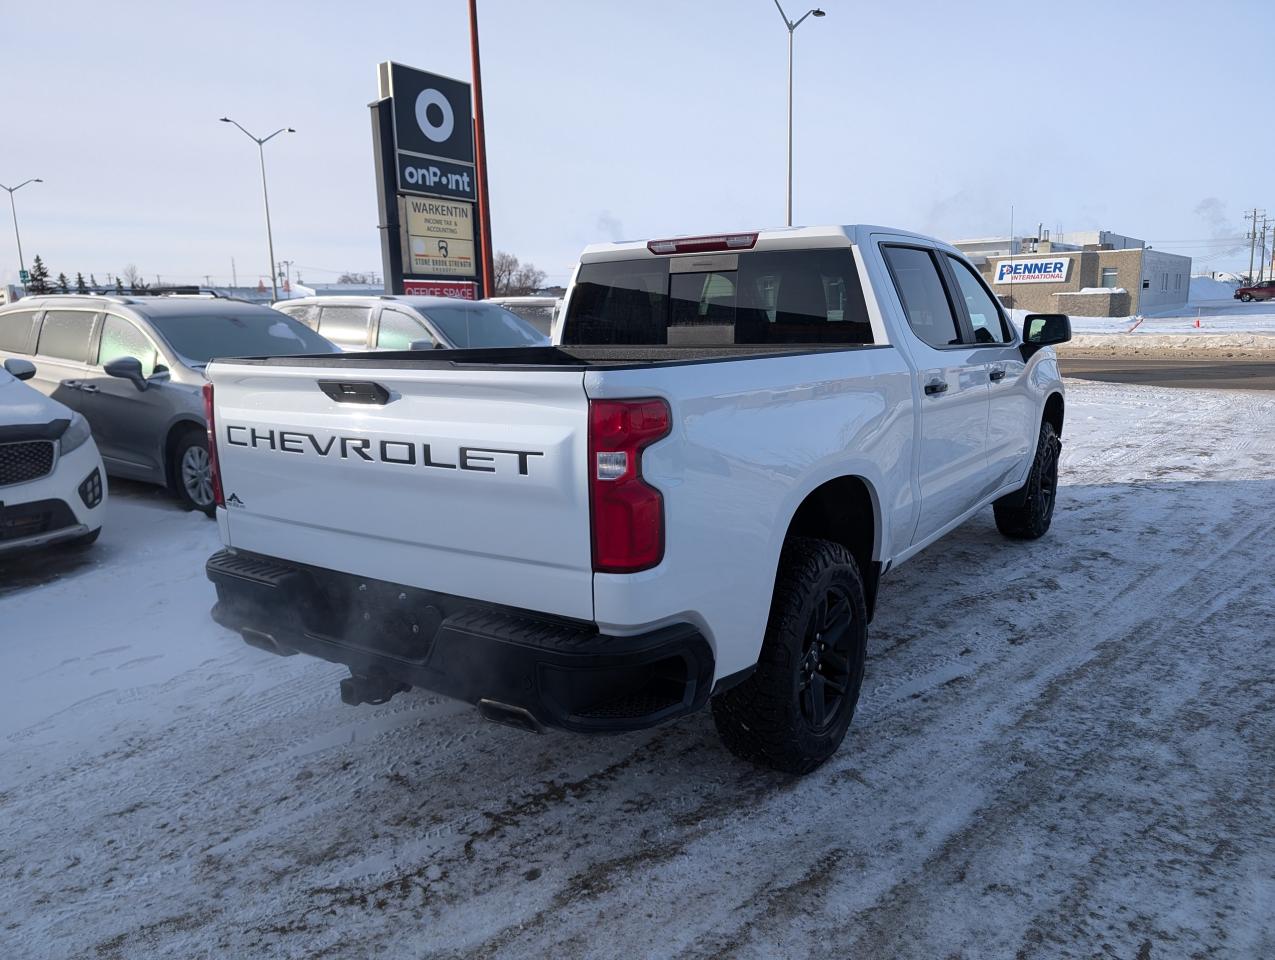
[52, 483]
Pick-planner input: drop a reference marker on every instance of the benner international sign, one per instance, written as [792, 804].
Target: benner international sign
[1050, 270]
[440, 237]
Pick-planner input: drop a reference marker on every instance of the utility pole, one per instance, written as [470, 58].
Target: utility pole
[487, 269]
[1252, 237]
[1261, 262]
[234, 275]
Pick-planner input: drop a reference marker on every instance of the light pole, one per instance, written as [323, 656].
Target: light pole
[792, 28]
[261, 150]
[22, 267]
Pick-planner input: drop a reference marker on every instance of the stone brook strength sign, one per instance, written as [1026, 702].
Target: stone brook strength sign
[1047, 270]
[423, 127]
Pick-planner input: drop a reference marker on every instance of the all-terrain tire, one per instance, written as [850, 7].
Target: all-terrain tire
[1026, 515]
[782, 716]
[190, 458]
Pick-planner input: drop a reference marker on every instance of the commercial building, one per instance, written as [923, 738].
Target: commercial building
[1094, 274]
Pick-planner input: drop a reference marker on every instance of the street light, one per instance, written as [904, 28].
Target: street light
[792, 27]
[22, 267]
[261, 150]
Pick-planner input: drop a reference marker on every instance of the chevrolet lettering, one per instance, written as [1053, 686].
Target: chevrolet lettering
[408, 453]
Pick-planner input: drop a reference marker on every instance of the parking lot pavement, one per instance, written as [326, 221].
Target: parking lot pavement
[1062, 749]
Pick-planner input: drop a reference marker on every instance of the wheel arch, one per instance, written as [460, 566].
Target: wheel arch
[844, 510]
[1054, 409]
[175, 432]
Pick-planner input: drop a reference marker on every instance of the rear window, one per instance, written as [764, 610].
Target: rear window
[780, 297]
[253, 333]
[15, 331]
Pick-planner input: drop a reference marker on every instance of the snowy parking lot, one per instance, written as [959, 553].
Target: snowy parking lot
[1063, 748]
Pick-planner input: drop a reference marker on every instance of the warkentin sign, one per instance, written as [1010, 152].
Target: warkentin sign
[1051, 270]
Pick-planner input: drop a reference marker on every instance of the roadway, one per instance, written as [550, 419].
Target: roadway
[1219, 374]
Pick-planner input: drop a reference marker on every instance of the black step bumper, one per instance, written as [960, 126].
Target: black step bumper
[563, 672]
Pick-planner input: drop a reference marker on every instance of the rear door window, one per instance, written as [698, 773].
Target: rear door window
[15, 331]
[345, 325]
[779, 297]
[65, 335]
[920, 287]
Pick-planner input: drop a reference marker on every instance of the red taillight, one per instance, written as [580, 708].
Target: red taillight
[219, 498]
[627, 513]
[721, 241]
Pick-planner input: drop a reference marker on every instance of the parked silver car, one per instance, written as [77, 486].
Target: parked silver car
[398, 322]
[540, 312]
[133, 366]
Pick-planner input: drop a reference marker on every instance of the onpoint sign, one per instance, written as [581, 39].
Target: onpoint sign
[427, 185]
[1049, 270]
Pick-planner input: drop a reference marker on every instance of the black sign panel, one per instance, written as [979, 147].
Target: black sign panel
[436, 178]
[433, 115]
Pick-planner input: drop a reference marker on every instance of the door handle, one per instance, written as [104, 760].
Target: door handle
[996, 376]
[72, 384]
[89, 387]
[936, 387]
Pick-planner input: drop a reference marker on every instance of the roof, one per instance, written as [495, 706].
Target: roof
[412, 300]
[772, 238]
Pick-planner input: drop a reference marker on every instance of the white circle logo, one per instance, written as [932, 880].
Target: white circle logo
[438, 132]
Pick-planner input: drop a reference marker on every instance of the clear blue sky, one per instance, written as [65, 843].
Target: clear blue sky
[614, 120]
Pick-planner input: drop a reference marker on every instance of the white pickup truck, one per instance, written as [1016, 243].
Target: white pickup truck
[692, 494]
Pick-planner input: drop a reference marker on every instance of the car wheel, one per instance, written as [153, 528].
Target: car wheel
[1026, 515]
[793, 712]
[192, 472]
[1246, 297]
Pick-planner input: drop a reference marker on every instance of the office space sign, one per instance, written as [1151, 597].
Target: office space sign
[1036, 270]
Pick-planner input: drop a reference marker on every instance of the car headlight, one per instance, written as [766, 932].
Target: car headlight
[76, 434]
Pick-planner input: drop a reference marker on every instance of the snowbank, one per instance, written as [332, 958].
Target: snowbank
[1206, 288]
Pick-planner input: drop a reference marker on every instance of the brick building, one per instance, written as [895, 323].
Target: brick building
[1098, 274]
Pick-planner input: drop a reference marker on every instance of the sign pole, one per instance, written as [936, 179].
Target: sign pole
[480, 160]
[387, 195]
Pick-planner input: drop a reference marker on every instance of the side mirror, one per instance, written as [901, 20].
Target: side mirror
[426, 343]
[20, 369]
[1044, 330]
[127, 368]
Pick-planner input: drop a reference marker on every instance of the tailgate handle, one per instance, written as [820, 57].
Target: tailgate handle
[355, 391]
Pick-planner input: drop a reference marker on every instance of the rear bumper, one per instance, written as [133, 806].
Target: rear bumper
[563, 672]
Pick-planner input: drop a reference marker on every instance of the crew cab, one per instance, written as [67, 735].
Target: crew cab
[692, 495]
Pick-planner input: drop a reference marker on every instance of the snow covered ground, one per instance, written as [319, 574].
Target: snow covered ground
[1214, 316]
[1063, 749]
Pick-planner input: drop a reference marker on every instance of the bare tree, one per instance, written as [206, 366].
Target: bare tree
[133, 278]
[514, 279]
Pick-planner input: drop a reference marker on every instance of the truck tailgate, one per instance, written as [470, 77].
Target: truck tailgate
[469, 482]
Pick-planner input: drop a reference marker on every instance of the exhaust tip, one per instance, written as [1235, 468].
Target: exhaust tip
[510, 715]
[356, 690]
